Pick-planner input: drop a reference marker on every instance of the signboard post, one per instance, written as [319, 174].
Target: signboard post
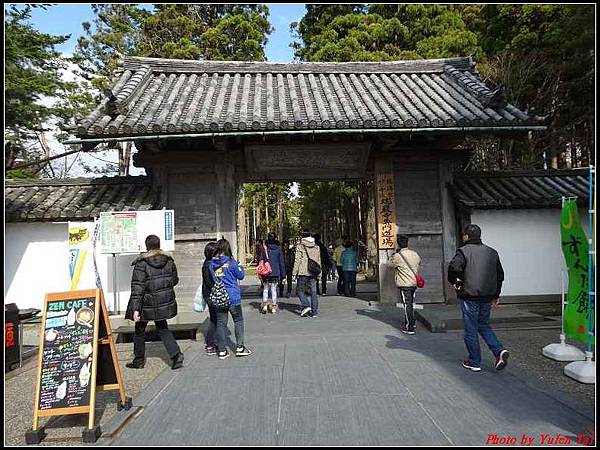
[125, 232]
[77, 358]
[386, 228]
[386, 211]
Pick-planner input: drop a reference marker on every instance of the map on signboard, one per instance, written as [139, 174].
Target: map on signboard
[126, 232]
[119, 233]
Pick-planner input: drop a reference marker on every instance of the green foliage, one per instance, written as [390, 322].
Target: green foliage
[543, 55]
[329, 207]
[381, 33]
[261, 200]
[116, 33]
[176, 31]
[32, 68]
[240, 35]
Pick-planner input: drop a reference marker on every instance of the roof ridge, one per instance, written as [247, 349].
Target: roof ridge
[520, 173]
[208, 66]
[79, 181]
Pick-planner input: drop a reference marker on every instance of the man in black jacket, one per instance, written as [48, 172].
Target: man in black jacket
[153, 298]
[477, 275]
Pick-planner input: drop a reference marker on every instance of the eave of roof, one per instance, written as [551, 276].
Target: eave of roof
[163, 97]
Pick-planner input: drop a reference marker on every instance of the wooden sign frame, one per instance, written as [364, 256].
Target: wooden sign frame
[386, 211]
[91, 434]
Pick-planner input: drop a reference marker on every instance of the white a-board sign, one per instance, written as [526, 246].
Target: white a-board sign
[126, 231]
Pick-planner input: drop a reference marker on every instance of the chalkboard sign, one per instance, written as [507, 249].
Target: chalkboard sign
[77, 357]
[67, 353]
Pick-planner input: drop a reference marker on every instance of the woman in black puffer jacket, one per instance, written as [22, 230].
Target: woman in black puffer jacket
[153, 298]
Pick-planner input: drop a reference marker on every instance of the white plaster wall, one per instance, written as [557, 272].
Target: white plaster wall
[528, 242]
[36, 261]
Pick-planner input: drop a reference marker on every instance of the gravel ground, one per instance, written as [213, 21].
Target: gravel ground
[20, 384]
[525, 348]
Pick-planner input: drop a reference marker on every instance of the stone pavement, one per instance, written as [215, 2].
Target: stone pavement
[348, 377]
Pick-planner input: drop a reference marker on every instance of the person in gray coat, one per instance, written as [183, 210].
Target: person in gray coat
[477, 275]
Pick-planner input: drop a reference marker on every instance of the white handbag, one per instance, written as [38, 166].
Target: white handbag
[199, 302]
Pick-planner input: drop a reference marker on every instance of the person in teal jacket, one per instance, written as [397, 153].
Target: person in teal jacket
[349, 268]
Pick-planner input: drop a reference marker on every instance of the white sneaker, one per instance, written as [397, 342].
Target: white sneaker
[305, 311]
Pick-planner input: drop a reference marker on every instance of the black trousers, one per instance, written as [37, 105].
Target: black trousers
[289, 277]
[139, 338]
[407, 295]
[340, 283]
[323, 281]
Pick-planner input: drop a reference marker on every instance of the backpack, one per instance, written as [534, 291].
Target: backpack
[219, 297]
[313, 267]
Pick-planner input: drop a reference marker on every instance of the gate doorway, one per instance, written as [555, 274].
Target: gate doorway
[329, 209]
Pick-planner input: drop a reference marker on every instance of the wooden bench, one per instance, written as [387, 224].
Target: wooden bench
[179, 330]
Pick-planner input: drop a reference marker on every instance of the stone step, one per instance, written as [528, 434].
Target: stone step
[441, 318]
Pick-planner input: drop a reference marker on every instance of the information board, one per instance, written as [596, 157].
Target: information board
[126, 231]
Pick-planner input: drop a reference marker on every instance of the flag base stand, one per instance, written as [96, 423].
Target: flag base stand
[582, 371]
[563, 351]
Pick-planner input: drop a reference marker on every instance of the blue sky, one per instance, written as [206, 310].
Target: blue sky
[67, 18]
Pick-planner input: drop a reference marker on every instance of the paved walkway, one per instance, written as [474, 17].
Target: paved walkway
[348, 377]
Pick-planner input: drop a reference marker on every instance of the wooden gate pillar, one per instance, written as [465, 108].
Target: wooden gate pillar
[386, 228]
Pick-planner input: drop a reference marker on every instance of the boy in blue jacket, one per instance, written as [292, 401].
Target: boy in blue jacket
[226, 269]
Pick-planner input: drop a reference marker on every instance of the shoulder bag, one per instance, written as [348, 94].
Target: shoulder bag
[264, 267]
[313, 267]
[420, 280]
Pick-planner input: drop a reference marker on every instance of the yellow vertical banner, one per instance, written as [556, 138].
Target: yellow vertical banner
[386, 211]
[81, 267]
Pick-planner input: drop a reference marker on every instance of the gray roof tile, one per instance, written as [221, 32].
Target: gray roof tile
[501, 190]
[163, 96]
[60, 200]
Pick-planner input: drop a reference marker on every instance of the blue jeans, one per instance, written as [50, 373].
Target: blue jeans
[349, 283]
[476, 319]
[314, 300]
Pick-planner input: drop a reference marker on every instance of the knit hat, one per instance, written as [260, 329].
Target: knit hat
[402, 240]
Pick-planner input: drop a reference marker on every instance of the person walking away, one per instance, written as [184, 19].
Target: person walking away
[207, 283]
[337, 256]
[305, 250]
[349, 261]
[229, 272]
[332, 268]
[407, 263]
[153, 298]
[324, 265]
[477, 275]
[288, 258]
[271, 253]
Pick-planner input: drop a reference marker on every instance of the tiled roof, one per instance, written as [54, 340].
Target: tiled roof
[165, 96]
[504, 190]
[60, 200]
